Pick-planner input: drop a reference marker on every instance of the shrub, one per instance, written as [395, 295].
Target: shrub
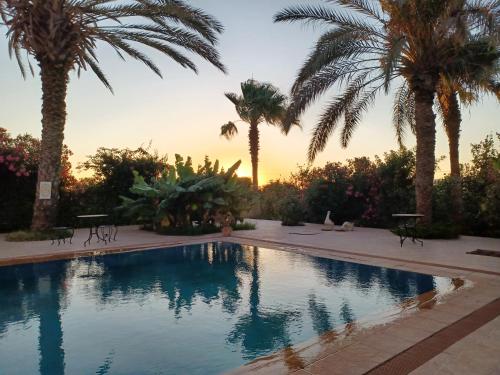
[18, 176]
[181, 196]
[442, 205]
[189, 231]
[396, 193]
[481, 190]
[201, 229]
[270, 196]
[28, 235]
[243, 226]
[112, 175]
[291, 211]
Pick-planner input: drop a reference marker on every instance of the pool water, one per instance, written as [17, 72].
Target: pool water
[199, 309]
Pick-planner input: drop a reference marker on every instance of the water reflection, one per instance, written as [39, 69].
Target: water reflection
[224, 292]
[259, 330]
[401, 285]
[172, 273]
[321, 318]
[36, 291]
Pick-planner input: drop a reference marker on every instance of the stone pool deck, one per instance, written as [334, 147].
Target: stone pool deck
[456, 334]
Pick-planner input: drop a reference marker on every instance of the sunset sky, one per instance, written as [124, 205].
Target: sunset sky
[183, 112]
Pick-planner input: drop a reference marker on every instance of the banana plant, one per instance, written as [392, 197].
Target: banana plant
[182, 195]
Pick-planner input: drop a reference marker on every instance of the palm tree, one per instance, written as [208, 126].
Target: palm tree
[62, 35]
[474, 77]
[259, 102]
[371, 44]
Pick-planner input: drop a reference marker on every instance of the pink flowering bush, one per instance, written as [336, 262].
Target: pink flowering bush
[18, 174]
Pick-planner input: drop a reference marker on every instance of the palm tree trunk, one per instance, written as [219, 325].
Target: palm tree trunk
[253, 137]
[425, 127]
[452, 121]
[54, 84]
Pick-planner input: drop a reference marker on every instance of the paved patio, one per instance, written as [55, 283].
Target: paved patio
[469, 343]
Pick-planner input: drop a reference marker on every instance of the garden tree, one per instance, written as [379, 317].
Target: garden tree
[476, 73]
[481, 182]
[259, 102]
[63, 35]
[113, 174]
[368, 45]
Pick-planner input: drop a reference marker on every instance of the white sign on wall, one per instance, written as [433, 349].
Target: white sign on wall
[45, 190]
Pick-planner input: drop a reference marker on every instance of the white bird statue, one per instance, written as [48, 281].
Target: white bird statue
[347, 226]
[329, 224]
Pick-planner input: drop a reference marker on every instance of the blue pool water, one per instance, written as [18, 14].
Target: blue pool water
[200, 309]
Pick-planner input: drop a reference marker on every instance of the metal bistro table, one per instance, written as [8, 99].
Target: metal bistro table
[106, 233]
[408, 227]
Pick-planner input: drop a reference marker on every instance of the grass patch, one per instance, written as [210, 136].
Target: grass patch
[434, 231]
[29, 235]
[243, 226]
[203, 229]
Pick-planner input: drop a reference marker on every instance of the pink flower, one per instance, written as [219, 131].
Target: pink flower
[18, 174]
[2, 158]
[12, 167]
[9, 157]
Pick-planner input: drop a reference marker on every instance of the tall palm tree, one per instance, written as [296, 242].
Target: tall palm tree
[63, 35]
[369, 44]
[259, 102]
[478, 74]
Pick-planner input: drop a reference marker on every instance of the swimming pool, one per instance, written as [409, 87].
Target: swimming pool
[198, 309]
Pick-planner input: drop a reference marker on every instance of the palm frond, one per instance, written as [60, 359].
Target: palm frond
[353, 114]
[233, 98]
[321, 14]
[333, 113]
[336, 47]
[67, 32]
[228, 130]
[368, 8]
[403, 112]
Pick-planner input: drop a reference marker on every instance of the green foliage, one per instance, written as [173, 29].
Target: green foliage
[112, 175]
[396, 174]
[162, 26]
[202, 229]
[481, 189]
[367, 192]
[366, 45]
[259, 102]
[18, 174]
[181, 196]
[349, 191]
[291, 211]
[28, 235]
[270, 196]
[243, 226]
